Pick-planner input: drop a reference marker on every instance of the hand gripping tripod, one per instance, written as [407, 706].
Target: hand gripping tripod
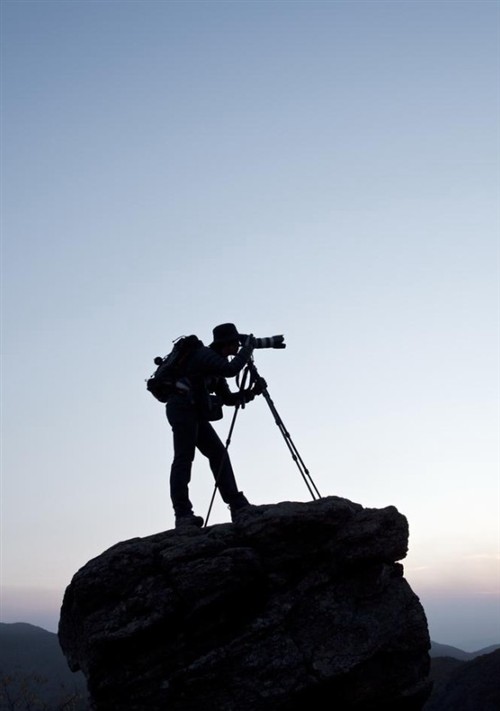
[256, 378]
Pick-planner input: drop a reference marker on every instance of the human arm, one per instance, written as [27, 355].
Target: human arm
[207, 361]
[241, 397]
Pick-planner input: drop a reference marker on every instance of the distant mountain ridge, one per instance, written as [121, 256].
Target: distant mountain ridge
[28, 651]
[465, 685]
[445, 650]
[18, 633]
[32, 662]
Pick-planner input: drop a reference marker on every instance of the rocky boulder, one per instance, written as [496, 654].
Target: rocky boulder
[297, 605]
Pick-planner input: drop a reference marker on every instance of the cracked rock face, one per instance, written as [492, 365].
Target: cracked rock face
[297, 605]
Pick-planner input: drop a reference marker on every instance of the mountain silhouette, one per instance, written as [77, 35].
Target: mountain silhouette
[34, 673]
[465, 686]
[32, 655]
[445, 650]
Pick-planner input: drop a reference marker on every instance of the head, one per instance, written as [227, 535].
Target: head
[226, 339]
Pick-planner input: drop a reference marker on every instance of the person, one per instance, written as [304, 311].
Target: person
[190, 412]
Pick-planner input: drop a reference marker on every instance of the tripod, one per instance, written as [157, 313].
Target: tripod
[286, 436]
[256, 378]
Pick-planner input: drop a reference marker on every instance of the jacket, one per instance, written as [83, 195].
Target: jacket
[206, 372]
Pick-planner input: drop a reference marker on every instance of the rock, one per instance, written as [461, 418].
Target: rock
[297, 605]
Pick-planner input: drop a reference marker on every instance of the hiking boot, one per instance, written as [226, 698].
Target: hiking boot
[188, 521]
[238, 506]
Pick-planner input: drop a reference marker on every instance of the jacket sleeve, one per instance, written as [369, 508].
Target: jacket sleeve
[223, 391]
[207, 362]
[228, 397]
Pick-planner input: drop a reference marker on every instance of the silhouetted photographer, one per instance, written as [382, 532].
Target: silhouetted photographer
[196, 401]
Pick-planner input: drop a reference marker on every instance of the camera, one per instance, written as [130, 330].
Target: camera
[269, 342]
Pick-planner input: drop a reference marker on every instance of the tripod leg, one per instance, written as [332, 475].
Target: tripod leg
[293, 450]
[228, 442]
[288, 440]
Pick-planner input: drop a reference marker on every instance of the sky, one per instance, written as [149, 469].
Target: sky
[325, 170]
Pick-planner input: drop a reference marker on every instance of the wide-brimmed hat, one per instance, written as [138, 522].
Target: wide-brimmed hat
[225, 333]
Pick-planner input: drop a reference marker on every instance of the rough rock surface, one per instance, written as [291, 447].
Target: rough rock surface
[297, 606]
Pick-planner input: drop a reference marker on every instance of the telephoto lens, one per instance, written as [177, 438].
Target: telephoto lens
[270, 342]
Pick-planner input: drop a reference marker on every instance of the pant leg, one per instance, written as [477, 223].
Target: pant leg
[210, 445]
[184, 423]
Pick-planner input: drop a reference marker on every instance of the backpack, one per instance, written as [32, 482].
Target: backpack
[168, 377]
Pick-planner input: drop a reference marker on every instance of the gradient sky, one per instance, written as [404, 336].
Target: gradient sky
[325, 170]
